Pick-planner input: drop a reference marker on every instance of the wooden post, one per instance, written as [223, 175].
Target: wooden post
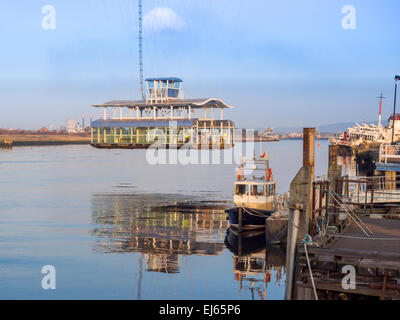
[308, 161]
[240, 244]
[333, 151]
[313, 207]
[240, 219]
[366, 195]
[326, 190]
[294, 220]
[372, 195]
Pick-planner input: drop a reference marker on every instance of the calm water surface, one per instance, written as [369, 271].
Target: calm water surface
[116, 227]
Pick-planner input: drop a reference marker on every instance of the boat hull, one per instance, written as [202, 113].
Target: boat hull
[251, 219]
[245, 243]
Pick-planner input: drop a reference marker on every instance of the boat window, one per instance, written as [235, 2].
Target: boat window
[270, 189]
[257, 190]
[242, 189]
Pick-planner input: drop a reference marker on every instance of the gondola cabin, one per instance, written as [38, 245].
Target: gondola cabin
[164, 119]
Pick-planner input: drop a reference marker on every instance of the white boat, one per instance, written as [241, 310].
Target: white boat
[370, 133]
[254, 194]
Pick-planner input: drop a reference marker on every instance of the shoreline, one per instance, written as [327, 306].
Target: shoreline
[46, 139]
[60, 140]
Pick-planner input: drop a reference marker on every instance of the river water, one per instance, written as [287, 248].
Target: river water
[115, 226]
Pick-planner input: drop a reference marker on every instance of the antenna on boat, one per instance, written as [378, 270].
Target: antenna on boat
[380, 109]
[141, 47]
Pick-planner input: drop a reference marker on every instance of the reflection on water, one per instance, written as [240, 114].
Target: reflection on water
[51, 196]
[254, 264]
[162, 227]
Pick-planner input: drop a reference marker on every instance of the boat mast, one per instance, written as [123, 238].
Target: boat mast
[380, 111]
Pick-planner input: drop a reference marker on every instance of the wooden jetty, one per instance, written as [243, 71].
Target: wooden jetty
[375, 261]
[343, 235]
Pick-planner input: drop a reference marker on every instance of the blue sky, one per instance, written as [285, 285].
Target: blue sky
[281, 63]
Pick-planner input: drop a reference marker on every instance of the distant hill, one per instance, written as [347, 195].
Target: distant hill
[331, 128]
[337, 127]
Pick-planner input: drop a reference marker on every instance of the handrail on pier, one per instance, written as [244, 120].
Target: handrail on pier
[389, 152]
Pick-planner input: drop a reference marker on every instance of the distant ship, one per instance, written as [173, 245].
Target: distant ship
[370, 133]
[266, 135]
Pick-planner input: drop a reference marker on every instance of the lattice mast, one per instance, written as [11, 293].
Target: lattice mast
[141, 48]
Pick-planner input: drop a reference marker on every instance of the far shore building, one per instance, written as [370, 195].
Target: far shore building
[163, 119]
[43, 130]
[71, 126]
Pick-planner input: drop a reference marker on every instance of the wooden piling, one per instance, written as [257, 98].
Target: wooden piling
[309, 161]
[308, 146]
[333, 154]
[300, 205]
[294, 220]
[240, 219]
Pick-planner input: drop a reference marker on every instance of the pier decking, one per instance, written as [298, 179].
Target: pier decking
[343, 234]
[376, 261]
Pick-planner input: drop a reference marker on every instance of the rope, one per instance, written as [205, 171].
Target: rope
[364, 228]
[308, 240]
[354, 217]
[334, 227]
[362, 238]
[256, 214]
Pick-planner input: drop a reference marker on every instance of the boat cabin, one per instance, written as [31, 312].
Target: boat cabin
[255, 195]
[255, 187]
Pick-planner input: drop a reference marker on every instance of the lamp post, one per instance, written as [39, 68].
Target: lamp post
[394, 107]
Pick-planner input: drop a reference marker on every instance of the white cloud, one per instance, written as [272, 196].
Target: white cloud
[162, 18]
